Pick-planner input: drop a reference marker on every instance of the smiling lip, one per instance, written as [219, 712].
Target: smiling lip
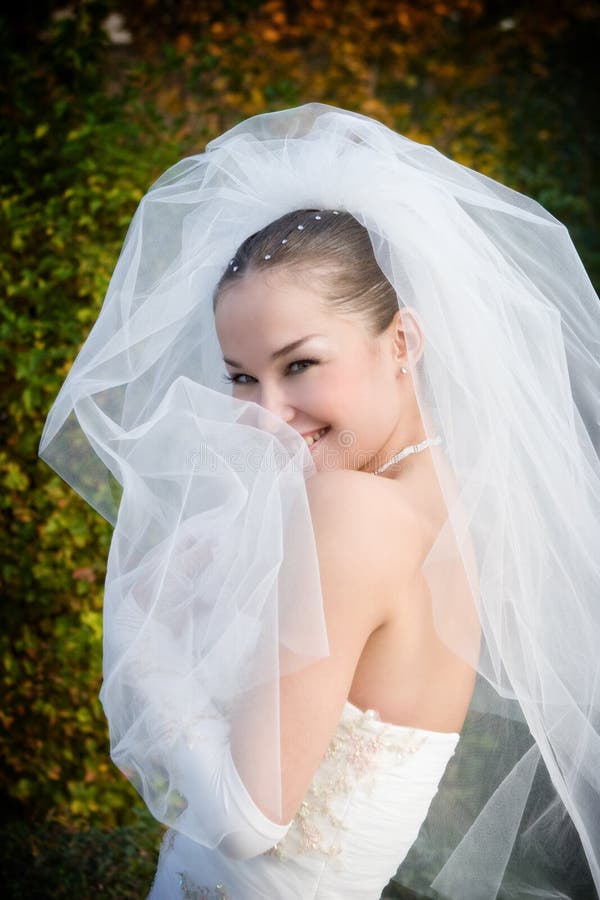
[311, 435]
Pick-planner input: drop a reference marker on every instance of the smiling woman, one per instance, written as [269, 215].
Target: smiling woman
[294, 649]
[357, 350]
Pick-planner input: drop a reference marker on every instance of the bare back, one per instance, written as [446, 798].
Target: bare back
[405, 671]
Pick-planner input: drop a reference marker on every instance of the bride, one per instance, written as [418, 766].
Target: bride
[342, 405]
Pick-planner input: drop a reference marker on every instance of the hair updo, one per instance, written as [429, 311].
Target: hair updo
[332, 251]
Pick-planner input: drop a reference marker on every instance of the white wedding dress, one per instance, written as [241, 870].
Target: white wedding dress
[360, 816]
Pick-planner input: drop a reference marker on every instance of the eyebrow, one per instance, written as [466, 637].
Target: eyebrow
[279, 353]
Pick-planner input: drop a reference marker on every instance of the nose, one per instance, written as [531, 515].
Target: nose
[273, 398]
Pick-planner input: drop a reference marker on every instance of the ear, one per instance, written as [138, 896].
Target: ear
[407, 338]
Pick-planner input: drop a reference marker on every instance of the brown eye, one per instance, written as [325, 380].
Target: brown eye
[233, 379]
[304, 363]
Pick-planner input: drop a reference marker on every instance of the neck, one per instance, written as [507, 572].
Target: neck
[400, 438]
[406, 452]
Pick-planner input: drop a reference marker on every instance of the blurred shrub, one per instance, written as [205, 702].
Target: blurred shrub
[52, 861]
[75, 166]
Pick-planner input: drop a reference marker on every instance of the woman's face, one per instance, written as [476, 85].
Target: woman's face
[319, 371]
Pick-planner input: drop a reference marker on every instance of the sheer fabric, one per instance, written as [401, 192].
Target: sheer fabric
[360, 816]
[212, 590]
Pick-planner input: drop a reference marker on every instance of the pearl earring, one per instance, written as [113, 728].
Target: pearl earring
[404, 370]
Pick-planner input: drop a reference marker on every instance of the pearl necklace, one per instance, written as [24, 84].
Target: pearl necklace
[414, 448]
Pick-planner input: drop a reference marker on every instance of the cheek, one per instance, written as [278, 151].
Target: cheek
[332, 392]
[370, 398]
[345, 398]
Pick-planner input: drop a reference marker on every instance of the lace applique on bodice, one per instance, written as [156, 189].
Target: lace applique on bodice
[191, 892]
[360, 816]
[352, 758]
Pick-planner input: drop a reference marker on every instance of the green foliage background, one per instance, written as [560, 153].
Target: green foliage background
[88, 124]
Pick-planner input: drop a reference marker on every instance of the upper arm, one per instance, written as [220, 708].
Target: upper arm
[359, 579]
[362, 573]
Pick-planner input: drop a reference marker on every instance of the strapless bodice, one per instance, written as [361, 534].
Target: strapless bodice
[360, 816]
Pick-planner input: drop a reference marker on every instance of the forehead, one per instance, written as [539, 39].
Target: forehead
[266, 302]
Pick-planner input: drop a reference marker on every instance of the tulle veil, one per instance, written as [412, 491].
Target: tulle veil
[212, 589]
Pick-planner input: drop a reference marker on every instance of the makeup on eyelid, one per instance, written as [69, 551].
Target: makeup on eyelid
[232, 378]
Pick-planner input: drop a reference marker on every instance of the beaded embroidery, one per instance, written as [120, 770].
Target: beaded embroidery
[189, 890]
[350, 761]
[193, 892]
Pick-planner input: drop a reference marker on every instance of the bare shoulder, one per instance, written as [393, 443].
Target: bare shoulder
[357, 499]
[364, 521]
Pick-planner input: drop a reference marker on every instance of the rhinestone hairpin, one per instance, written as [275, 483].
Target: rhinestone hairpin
[232, 262]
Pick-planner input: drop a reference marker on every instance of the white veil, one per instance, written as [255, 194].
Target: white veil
[212, 590]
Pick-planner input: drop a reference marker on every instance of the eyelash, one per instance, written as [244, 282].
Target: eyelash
[232, 379]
